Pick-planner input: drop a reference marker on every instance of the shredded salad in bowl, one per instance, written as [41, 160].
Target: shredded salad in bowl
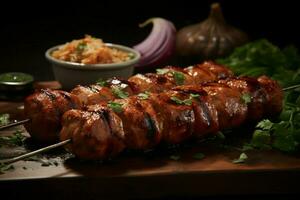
[90, 50]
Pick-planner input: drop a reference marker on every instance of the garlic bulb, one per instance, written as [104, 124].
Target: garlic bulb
[209, 39]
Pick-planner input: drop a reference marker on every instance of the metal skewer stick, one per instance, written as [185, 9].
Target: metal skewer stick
[27, 155]
[62, 143]
[14, 124]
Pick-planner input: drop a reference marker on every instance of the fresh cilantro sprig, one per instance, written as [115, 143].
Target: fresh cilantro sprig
[144, 95]
[116, 107]
[4, 119]
[261, 57]
[81, 47]
[178, 76]
[101, 82]
[246, 98]
[119, 92]
[186, 102]
[198, 156]
[175, 157]
[17, 139]
[242, 159]
[178, 101]
[162, 71]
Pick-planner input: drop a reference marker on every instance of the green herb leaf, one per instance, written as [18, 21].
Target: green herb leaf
[247, 147]
[175, 157]
[116, 107]
[162, 71]
[243, 157]
[194, 95]
[199, 156]
[118, 92]
[187, 102]
[176, 100]
[265, 124]
[4, 119]
[101, 82]
[284, 138]
[261, 139]
[16, 140]
[246, 98]
[262, 57]
[178, 77]
[220, 135]
[144, 95]
[81, 47]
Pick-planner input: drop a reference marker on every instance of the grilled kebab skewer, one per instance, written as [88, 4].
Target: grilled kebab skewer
[45, 108]
[174, 116]
[182, 113]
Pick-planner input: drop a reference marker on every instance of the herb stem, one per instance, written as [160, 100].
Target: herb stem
[291, 87]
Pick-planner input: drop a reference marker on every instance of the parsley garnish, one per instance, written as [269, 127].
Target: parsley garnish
[246, 98]
[255, 59]
[194, 95]
[81, 46]
[4, 119]
[144, 95]
[243, 157]
[118, 92]
[199, 156]
[220, 135]
[116, 107]
[175, 157]
[16, 140]
[187, 102]
[101, 82]
[162, 71]
[261, 139]
[178, 77]
[265, 124]
[283, 135]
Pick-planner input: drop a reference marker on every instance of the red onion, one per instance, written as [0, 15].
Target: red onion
[159, 46]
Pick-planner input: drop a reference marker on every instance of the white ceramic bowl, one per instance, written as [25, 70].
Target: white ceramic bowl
[70, 74]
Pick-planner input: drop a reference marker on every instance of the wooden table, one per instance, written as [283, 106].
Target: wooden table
[135, 175]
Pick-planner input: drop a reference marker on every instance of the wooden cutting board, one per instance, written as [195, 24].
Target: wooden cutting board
[161, 173]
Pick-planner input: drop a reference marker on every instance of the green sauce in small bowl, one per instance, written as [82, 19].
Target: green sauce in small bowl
[15, 78]
[15, 85]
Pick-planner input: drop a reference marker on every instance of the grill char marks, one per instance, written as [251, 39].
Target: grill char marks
[55, 104]
[201, 73]
[175, 115]
[45, 110]
[49, 94]
[266, 95]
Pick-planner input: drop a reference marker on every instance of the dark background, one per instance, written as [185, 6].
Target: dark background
[29, 28]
